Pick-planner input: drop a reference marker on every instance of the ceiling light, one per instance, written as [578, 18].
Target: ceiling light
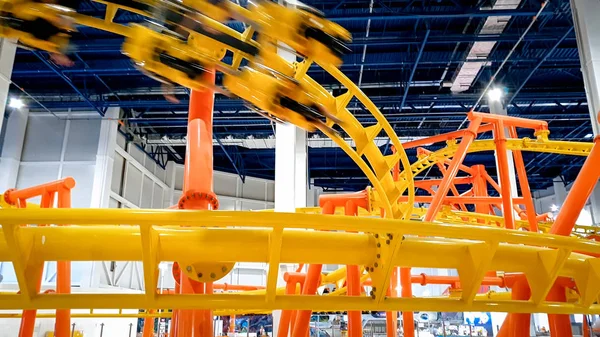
[589, 135]
[495, 94]
[16, 103]
[553, 208]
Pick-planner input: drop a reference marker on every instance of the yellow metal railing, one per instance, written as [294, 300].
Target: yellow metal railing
[471, 250]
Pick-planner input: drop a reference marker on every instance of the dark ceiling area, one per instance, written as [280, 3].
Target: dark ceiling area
[406, 56]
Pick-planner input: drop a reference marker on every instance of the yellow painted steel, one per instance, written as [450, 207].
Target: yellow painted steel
[378, 245]
[469, 249]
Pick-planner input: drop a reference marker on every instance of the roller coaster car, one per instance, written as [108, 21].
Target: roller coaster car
[218, 10]
[278, 98]
[166, 58]
[36, 25]
[304, 29]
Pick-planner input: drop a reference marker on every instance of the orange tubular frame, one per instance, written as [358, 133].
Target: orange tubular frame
[62, 190]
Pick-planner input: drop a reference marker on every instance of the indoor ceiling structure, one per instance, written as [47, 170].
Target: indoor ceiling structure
[424, 63]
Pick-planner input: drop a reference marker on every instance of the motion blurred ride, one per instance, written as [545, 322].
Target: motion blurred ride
[279, 98]
[167, 59]
[304, 29]
[37, 25]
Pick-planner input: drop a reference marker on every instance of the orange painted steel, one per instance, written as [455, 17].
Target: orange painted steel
[503, 172]
[62, 327]
[560, 325]
[443, 137]
[311, 283]
[459, 156]
[391, 317]
[198, 194]
[353, 283]
[148, 330]
[586, 327]
[61, 189]
[480, 189]
[509, 121]
[292, 280]
[580, 192]
[408, 321]
[530, 214]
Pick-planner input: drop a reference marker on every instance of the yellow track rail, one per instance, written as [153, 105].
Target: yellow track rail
[152, 236]
[471, 250]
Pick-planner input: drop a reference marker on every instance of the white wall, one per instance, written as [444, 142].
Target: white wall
[545, 200]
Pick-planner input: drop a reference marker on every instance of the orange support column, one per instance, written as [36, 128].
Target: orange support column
[408, 322]
[560, 325]
[520, 323]
[480, 189]
[436, 203]
[353, 283]
[198, 194]
[507, 201]
[524, 184]
[285, 322]
[300, 324]
[62, 327]
[579, 193]
[391, 317]
[148, 330]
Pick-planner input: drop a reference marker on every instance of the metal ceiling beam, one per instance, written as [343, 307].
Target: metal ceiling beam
[537, 66]
[436, 15]
[66, 79]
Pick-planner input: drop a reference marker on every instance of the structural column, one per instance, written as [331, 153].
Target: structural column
[7, 59]
[497, 107]
[290, 171]
[12, 147]
[585, 18]
[105, 158]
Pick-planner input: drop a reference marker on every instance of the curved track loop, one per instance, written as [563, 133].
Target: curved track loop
[377, 166]
[525, 144]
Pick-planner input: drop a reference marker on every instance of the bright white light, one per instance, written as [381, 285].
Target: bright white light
[494, 94]
[16, 103]
[554, 208]
[163, 266]
[589, 135]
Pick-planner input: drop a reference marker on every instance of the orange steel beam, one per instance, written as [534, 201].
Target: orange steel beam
[460, 199]
[292, 280]
[464, 168]
[148, 330]
[391, 317]
[62, 326]
[560, 325]
[12, 196]
[503, 168]
[509, 121]
[408, 322]
[353, 284]
[198, 194]
[582, 188]
[524, 184]
[311, 283]
[62, 189]
[443, 170]
[443, 137]
[435, 182]
[459, 156]
[480, 189]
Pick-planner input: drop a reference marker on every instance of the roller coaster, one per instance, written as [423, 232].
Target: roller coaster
[379, 234]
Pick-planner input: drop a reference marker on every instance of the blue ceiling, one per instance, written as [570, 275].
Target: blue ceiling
[542, 82]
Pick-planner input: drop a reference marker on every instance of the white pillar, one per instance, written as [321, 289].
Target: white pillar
[12, 148]
[560, 192]
[291, 172]
[497, 107]
[105, 158]
[7, 59]
[585, 18]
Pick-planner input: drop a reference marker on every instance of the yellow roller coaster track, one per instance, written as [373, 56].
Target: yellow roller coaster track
[379, 245]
